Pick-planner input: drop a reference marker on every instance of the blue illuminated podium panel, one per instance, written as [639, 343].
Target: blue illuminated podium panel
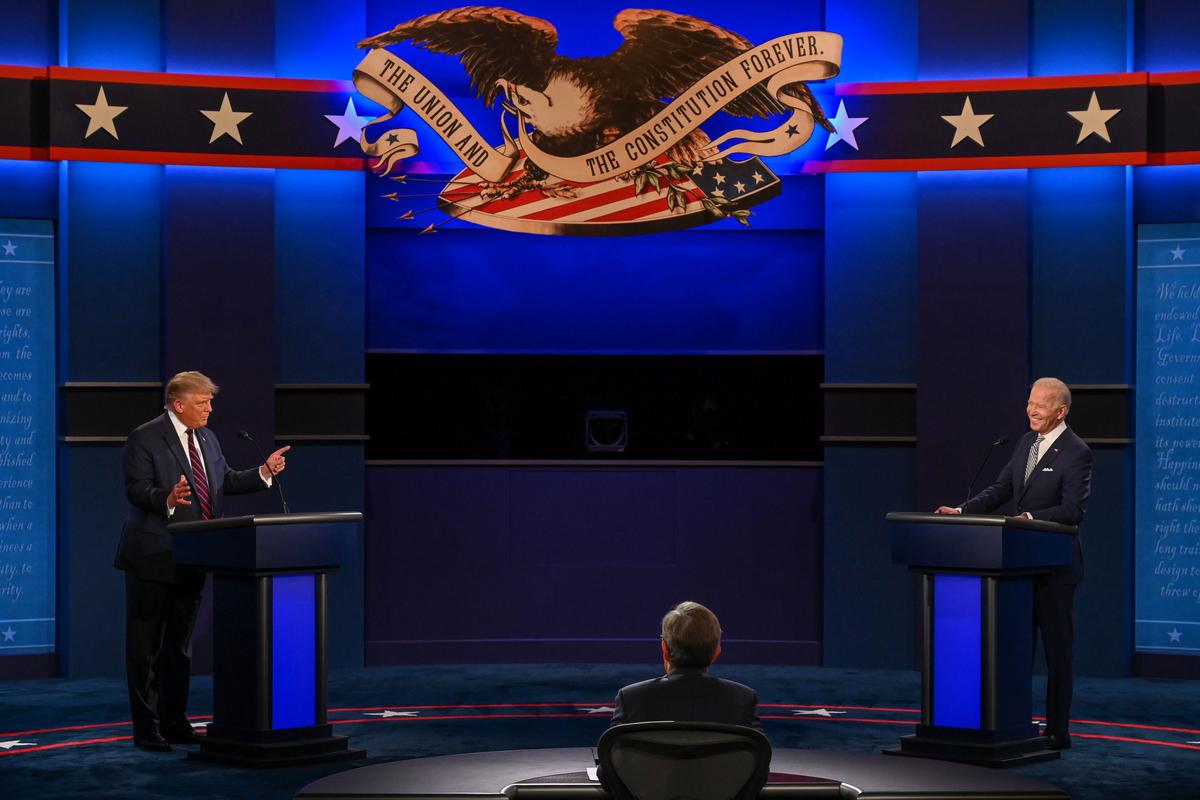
[269, 603]
[977, 577]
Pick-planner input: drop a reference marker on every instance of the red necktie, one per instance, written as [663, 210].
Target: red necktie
[199, 481]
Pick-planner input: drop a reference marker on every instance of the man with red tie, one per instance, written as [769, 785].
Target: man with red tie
[174, 472]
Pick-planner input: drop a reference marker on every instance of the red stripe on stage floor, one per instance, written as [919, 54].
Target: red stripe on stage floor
[186, 79]
[61, 745]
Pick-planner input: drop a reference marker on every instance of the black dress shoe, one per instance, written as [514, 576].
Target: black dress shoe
[152, 742]
[1058, 741]
[181, 735]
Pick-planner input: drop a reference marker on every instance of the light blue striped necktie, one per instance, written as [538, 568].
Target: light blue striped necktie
[1031, 462]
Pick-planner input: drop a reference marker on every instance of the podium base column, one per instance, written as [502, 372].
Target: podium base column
[283, 748]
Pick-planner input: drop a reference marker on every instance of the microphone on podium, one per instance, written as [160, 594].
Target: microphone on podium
[245, 435]
[982, 464]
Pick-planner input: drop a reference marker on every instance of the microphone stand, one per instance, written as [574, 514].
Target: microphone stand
[274, 477]
[982, 464]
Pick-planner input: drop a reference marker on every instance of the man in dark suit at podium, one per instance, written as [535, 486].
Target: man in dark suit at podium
[1050, 478]
[174, 472]
[691, 641]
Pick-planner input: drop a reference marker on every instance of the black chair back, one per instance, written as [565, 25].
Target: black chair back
[683, 761]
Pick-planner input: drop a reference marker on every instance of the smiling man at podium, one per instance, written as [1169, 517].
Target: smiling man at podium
[174, 472]
[1050, 478]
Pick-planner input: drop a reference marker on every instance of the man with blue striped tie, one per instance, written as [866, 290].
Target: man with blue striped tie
[1049, 477]
[174, 472]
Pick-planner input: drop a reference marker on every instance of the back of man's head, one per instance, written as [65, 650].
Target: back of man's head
[692, 634]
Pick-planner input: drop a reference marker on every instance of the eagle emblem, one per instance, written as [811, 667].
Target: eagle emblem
[603, 145]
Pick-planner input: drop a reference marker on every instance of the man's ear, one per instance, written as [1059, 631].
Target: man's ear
[666, 655]
[716, 655]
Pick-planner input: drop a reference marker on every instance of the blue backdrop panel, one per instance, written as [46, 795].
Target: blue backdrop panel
[1081, 37]
[114, 273]
[29, 35]
[319, 276]
[92, 505]
[1168, 438]
[870, 280]
[28, 189]
[116, 34]
[199, 37]
[1167, 36]
[1079, 237]
[868, 600]
[690, 292]
[972, 324]
[27, 433]
[471, 534]
[219, 308]
[973, 40]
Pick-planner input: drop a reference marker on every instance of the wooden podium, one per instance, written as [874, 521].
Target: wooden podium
[977, 651]
[269, 666]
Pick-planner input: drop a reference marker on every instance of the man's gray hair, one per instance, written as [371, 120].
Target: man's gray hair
[692, 634]
[1061, 391]
[190, 382]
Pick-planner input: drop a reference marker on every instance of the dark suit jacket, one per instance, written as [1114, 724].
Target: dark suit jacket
[687, 695]
[1057, 491]
[153, 461]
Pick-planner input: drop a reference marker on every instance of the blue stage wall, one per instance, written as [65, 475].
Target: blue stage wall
[511, 563]
[1074, 265]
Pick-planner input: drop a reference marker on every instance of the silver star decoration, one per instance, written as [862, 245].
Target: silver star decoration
[9, 634]
[843, 127]
[10, 249]
[814, 712]
[1094, 119]
[349, 123]
[11, 743]
[225, 121]
[389, 714]
[101, 115]
[1176, 254]
[967, 124]
[596, 709]
[1175, 636]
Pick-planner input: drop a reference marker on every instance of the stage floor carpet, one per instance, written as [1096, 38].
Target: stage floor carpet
[68, 739]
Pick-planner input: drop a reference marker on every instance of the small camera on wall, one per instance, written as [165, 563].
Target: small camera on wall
[606, 431]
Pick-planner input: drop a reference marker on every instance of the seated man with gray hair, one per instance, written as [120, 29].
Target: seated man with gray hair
[691, 641]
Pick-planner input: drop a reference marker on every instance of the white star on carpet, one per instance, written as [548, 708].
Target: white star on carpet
[101, 115]
[9, 634]
[814, 712]
[349, 124]
[967, 124]
[389, 714]
[11, 743]
[10, 249]
[844, 127]
[597, 709]
[1175, 636]
[1176, 254]
[1094, 119]
[225, 121]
